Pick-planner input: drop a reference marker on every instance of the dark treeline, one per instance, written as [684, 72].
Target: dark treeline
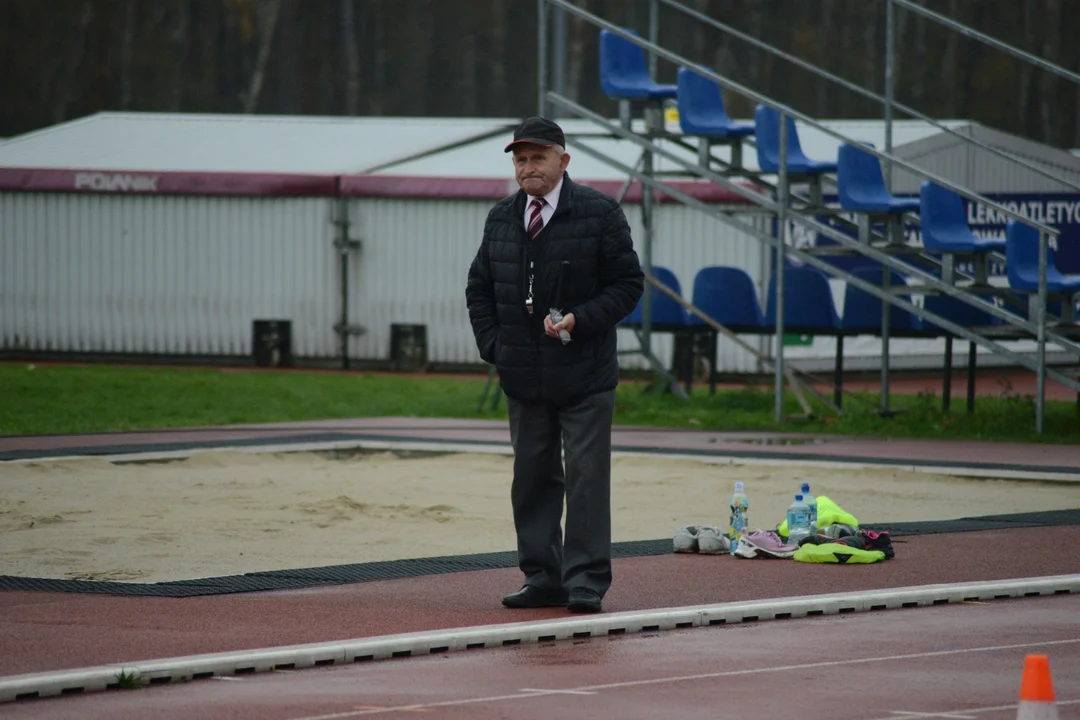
[61, 59]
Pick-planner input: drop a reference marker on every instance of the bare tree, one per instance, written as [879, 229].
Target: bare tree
[577, 32]
[352, 58]
[126, 43]
[949, 69]
[821, 96]
[67, 89]
[180, 40]
[251, 97]
[380, 43]
[1051, 24]
[1027, 70]
[872, 51]
[918, 88]
[434, 57]
[466, 77]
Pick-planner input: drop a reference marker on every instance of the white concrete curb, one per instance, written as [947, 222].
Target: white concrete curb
[194, 667]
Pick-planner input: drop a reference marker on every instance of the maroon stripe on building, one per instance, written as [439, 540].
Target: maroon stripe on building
[132, 182]
[138, 182]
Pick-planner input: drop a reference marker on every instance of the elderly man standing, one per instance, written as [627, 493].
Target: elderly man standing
[556, 246]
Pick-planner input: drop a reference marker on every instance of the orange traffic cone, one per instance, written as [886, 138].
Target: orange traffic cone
[1037, 691]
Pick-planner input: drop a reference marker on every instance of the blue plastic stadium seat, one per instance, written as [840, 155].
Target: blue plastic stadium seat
[665, 311]
[701, 108]
[1022, 262]
[861, 185]
[808, 302]
[767, 130]
[957, 311]
[945, 226]
[862, 311]
[728, 296]
[624, 74]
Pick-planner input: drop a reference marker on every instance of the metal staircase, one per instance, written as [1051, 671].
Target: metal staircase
[781, 198]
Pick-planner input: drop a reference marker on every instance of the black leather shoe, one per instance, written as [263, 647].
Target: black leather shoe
[583, 600]
[531, 597]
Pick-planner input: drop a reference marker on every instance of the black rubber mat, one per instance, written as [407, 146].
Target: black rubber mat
[367, 572]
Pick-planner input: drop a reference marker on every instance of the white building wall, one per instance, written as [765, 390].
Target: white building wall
[163, 274]
[416, 254]
[412, 270]
[176, 275]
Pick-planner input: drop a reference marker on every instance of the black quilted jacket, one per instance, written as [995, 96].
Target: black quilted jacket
[601, 286]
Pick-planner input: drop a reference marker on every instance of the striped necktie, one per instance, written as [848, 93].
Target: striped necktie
[536, 222]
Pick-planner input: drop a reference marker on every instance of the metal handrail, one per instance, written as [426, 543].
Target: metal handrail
[1039, 326]
[988, 40]
[847, 84]
[885, 259]
[807, 221]
[763, 100]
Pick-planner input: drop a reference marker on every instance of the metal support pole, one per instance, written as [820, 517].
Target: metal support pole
[342, 212]
[886, 316]
[838, 373]
[1040, 322]
[558, 52]
[890, 62]
[542, 58]
[647, 241]
[971, 378]
[704, 153]
[946, 389]
[781, 235]
[654, 34]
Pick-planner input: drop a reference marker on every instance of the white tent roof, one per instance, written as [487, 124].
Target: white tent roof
[160, 142]
[231, 143]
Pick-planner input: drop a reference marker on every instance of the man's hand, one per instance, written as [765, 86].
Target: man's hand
[552, 329]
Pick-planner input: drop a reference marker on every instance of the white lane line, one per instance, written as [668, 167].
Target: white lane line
[993, 708]
[702, 676]
[904, 714]
[556, 692]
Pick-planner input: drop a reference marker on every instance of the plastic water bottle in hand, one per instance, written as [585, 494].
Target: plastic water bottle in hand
[798, 520]
[556, 312]
[556, 318]
[811, 502]
[739, 517]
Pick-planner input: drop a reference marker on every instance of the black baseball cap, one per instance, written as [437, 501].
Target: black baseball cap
[538, 131]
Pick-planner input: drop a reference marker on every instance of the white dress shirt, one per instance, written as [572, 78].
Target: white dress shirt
[552, 201]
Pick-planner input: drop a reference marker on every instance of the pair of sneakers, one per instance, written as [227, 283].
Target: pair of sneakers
[704, 539]
[763, 544]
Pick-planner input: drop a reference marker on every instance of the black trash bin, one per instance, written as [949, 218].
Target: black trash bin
[271, 343]
[408, 347]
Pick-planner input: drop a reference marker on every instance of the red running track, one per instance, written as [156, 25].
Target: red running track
[718, 672]
[53, 631]
[955, 661]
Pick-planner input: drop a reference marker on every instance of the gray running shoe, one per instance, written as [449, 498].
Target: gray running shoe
[686, 539]
[712, 542]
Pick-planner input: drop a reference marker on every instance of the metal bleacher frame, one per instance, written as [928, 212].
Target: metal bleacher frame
[784, 204]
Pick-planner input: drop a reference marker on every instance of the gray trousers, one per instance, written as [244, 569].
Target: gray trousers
[539, 433]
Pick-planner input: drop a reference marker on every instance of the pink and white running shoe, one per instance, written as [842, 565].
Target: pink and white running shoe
[763, 543]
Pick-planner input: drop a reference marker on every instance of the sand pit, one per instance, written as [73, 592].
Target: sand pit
[224, 513]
